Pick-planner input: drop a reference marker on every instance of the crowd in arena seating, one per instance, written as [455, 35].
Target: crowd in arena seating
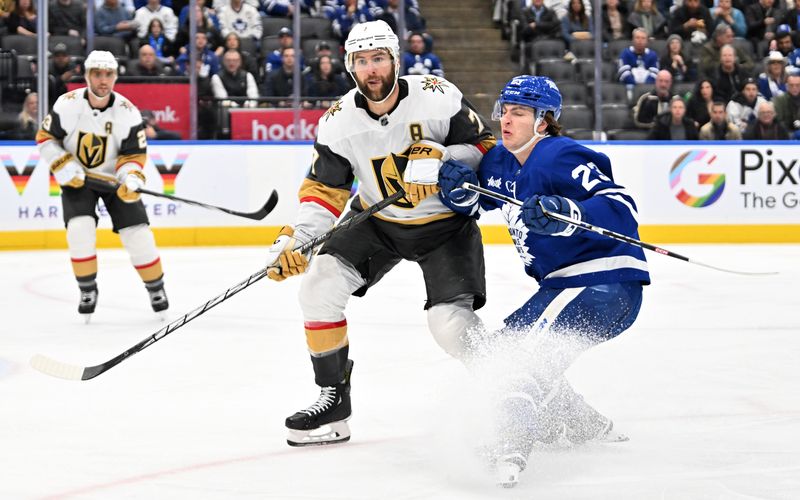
[685, 69]
[246, 48]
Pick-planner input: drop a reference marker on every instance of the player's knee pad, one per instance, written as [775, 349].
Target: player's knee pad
[450, 324]
[81, 237]
[327, 287]
[138, 240]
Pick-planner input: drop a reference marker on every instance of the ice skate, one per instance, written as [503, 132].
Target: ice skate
[87, 303]
[158, 300]
[324, 422]
[598, 431]
[508, 468]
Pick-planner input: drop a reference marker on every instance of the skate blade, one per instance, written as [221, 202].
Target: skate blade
[507, 475]
[86, 318]
[333, 433]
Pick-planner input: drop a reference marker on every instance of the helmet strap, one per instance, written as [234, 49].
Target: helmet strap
[536, 135]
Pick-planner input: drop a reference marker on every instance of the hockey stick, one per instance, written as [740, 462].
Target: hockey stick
[67, 371]
[104, 184]
[608, 233]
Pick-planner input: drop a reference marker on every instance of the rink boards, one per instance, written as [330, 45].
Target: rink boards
[687, 192]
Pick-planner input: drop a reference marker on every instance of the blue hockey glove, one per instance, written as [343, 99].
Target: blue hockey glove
[534, 218]
[452, 175]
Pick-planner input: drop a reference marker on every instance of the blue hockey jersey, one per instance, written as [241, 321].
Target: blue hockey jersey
[560, 166]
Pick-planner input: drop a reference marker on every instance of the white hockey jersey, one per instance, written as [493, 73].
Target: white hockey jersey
[102, 140]
[352, 143]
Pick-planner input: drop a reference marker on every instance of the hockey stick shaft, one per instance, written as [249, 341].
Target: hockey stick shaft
[105, 184]
[608, 233]
[59, 369]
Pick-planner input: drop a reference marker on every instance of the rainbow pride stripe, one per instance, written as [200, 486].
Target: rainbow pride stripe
[53, 189]
[717, 181]
[20, 180]
[167, 177]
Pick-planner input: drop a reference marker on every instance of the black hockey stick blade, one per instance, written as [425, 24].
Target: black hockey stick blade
[611, 234]
[55, 368]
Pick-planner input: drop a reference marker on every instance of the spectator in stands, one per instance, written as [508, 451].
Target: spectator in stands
[111, 19]
[728, 76]
[391, 12]
[637, 64]
[323, 82]
[344, 17]
[27, 120]
[67, 18]
[280, 82]
[645, 15]
[62, 69]
[787, 106]
[22, 21]
[783, 42]
[274, 59]
[577, 24]
[242, 19]
[154, 10]
[561, 7]
[691, 21]
[416, 61]
[772, 82]
[790, 19]
[741, 108]
[204, 23]
[153, 131]
[677, 62]
[538, 21]
[207, 10]
[323, 49]
[698, 106]
[206, 108]
[765, 127]
[674, 125]
[249, 61]
[285, 8]
[761, 20]
[147, 64]
[6, 8]
[726, 13]
[233, 81]
[128, 5]
[209, 63]
[615, 21]
[719, 128]
[157, 39]
[655, 102]
[709, 52]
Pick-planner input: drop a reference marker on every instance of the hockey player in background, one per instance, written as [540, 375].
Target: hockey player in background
[391, 133]
[590, 286]
[96, 131]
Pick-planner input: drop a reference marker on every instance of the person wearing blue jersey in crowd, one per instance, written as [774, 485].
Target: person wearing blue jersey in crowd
[590, 286]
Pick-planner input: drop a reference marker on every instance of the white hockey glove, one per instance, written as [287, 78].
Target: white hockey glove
[68, 172]
[422, 170]
[130, 183]
[283, 261]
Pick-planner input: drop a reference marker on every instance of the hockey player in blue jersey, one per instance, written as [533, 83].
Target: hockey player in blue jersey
[590, 286]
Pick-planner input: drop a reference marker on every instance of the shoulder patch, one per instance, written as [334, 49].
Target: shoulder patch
[434, 84]
[71, 95]
[337, 106]
[125, 104]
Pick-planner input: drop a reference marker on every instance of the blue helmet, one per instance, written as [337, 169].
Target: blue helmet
[537, 92]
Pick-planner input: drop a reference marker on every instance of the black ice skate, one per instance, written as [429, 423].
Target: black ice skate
[88, 303]
[158, 299]
[324, 422]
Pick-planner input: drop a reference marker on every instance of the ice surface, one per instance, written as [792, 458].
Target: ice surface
[706, 384]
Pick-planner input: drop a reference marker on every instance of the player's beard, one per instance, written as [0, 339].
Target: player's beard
[387, 85]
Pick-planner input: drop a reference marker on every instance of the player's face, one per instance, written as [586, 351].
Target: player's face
[101, 82]
[374, 73]
[516, 124]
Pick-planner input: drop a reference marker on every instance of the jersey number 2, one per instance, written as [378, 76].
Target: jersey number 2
[584, 171]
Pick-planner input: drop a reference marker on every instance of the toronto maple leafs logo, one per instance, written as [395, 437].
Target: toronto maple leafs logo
[337, 106]
[518, 231]
[433, 84]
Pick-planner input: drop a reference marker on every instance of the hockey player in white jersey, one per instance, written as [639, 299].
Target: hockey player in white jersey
[97, 132]
[590, 286]
[391, 133]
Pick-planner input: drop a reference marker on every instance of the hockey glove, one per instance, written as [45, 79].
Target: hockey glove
[534, 218]
[452, 177]
[422, 170]
[283, 261]
[129, 185]
[68, 172]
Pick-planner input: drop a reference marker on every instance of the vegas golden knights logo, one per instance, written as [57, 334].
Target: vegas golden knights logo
[389, 175]
[92, 149]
